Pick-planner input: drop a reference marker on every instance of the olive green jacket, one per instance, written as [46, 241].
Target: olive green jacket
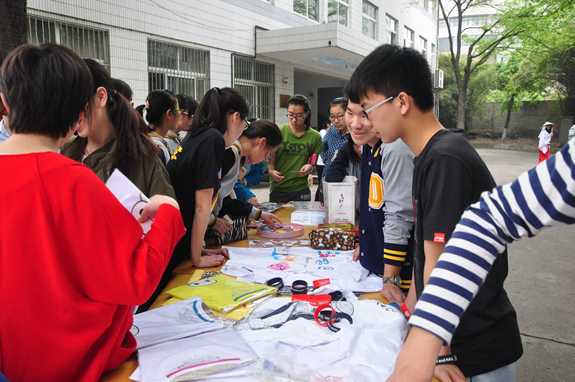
[150, 175]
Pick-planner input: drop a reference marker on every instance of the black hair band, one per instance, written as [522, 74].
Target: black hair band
[299, 287]
[276, 282]
[336, 318]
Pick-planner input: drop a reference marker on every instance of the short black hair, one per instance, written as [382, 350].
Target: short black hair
[390, 70]
[46, 87]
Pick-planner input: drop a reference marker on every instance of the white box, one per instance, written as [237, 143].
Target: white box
[339, 200]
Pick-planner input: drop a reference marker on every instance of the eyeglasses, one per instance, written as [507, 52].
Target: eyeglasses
[177, 110]
[296, 117]
[184, 113]
[366, 112]
[270, 154]
[336, 117]
[247, 124]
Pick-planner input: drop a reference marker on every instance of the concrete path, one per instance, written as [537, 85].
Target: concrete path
[541, 284]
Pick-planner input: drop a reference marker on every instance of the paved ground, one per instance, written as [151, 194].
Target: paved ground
[541, 284]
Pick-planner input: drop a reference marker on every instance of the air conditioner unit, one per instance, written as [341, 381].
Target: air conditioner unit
[438, 79]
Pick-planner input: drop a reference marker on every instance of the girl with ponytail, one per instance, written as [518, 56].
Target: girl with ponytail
[112, 135]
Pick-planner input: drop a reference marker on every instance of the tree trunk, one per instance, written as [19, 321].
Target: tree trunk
[13, 24]
[508, 118]
[461, 100]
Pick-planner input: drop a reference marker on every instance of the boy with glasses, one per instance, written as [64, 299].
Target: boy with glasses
[297, 156]
[394, 87]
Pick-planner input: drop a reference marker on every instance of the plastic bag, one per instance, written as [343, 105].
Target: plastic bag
[279, 368]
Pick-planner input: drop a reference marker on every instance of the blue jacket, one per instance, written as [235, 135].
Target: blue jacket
[253, 177]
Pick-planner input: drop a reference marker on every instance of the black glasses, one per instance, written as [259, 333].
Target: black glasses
[336, 117]
[296, 117]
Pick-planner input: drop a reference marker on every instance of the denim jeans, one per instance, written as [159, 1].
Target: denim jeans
[503, 374]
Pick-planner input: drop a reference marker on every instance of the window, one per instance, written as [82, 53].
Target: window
[390, 30]
[307, 8]
[86, 42]
[256, 81]
[178, 68]
[408, 37]
[432, 60]
[337, 11]
[369, 20]
[423, 46]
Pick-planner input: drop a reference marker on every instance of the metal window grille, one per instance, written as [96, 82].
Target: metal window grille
[369, 20]
[337, 11]
[178, 68]
[391, 30]
[256, 81]
[87, 42]
[307, 8]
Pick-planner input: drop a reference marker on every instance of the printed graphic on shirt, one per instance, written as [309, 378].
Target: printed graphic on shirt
[214, 200]
[296, 149]
[175, 154]
[376, 191]
[439, 237]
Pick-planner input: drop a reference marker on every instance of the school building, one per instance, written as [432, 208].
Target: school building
[267, 49]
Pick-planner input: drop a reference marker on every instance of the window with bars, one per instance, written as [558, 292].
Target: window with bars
[408, 37]
[307, 8]
[256, 81]
[87, 42]
[369, 20]
[337, 11]
[178, 68]
[390, 30]
[423, 46]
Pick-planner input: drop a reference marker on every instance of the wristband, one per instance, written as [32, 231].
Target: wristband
[450, 359]
[317, 300]
[337, 296]
[299, 287]
[320, 283]
[313, 159]
[405, 311]
[336, 318]
[276, 282]
[318, 311]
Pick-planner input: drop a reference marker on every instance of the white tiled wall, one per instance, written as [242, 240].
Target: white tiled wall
[220, 26]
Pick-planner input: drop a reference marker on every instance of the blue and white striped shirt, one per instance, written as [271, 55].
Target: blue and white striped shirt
[541, 197]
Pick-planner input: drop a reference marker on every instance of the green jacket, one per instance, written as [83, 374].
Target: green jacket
[150, 175]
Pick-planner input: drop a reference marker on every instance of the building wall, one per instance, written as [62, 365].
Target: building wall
[222, 27]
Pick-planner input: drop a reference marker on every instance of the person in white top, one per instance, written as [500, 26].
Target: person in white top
[545, 140]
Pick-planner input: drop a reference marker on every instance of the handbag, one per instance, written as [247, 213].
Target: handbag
[332, 238]
[239, 231]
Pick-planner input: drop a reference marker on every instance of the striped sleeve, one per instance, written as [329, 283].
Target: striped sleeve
[542, 197]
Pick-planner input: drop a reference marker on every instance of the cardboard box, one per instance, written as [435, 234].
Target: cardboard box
[339, 199]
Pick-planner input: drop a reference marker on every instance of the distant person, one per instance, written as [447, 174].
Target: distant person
[73, 258]
[337, 134]
[320, 165]
[113, 136]
[394, 87]
[545, 141]
[124, 89]
[163, 114]
[571, 131]
[295, 160]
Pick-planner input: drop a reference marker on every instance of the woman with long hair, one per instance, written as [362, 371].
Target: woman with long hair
[113, 136]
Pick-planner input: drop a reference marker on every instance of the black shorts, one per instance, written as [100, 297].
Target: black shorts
[285, 197]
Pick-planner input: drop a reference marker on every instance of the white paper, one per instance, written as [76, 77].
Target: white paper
[194, 357]
[130, 196]
[181, 319]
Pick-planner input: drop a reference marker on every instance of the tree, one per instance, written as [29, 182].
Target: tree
[545, 35]
[481, 46]
[13, 23]
[480, 84]
[518, 80]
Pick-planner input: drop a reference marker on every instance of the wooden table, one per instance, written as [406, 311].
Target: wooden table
[181, 276]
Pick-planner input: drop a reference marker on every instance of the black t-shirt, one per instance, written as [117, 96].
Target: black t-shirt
[448, 176]
[196, 165]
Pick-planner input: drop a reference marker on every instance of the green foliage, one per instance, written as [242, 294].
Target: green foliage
[480, 84]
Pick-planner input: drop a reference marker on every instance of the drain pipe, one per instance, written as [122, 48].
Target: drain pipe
[246, 55]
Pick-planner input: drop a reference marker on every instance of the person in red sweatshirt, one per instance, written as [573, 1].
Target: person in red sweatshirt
[72, 259]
